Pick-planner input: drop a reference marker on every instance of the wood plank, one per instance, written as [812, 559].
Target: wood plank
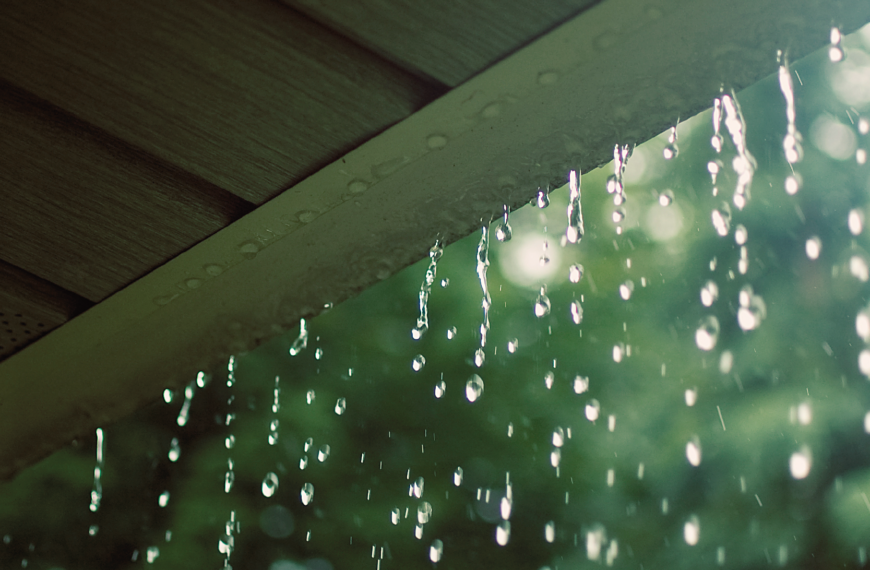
[448, 40]
[31, 307]
[562, 102]
[246, 94]
[89, 213]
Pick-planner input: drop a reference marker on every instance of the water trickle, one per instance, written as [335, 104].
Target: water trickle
[482, 267]
[435, 253]
[474, 388]
[436, 550]
[574, 232]
[301, 341]
[270, 484]
[791, 143]
[340, 406]
[418, 363]
[671, 150]
[184, 413]
[542, 303]
[744, 164]
[307, 493]
[716, 139]
[615, 184]
[707, 333]
[97, 489]
[503, 230]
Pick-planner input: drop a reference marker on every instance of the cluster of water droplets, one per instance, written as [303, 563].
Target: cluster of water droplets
[616, 185]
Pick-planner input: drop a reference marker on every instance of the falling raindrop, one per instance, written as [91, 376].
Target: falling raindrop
[424, 512]
[512, 345]
[503, 230]
[550, 531]
[692, 531]
[323, 453]
[693, 452]
[503, 533]
[835, 52]
[549, 378]
[229, 477]
[740, 234]
[575, 273]
[813, 247]
[593, 408]
[542, 303]
[307, 493]
[340, 406]
[752, 309]
[184, 414]
[722, 219]
[435, 253]
[440, 388]
[457, 476]
[151, 554]
[395, 516]
[800, 463]
[558, 437]
[707, 333]
[474, 388]
[709, 293]
[576, 312]
[581, 384]
[671, 150]
[436, 550]
[163, 499]
[97, 490]
[543, 198]
[270, 484]
[174, 450]
[451, 333]
[479, 357]
[418, 363]
[309, 397]
[626, 289]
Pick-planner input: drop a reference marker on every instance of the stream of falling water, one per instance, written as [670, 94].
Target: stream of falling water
[702, 330]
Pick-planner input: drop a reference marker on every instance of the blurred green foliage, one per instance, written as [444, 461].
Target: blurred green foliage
[625, 482]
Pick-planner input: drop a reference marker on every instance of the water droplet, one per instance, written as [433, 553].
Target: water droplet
[576, 312]
[183, 414]
[307, 445]
[503, 230]
[575, 230]
[418, 363]
[862, 324]
[575, 273]
[395, 516]
[666, 198]
[440, 388]
[542, 303]
[230, 441]
[307, 493]
[792, 185]
[543, 199]
[474, 388]
[550, 531]
[417, 487]
[273, 432]
[168, 396]
[249, 249]
[835, 52]
[323, 453]
[595, 539]
[549, 377]
[301, 341]
[800, 463]
[558, 437]
[707, 333]
[512, 345]
[424, 512]
[436, 550]
[503, 533]
[858, 268]
[813, 247]
[174, 450]
[303, 462]
[163, 499]
[436, 142]
[309, 397]
[270, 484]
[693, 452]
[593, 409]
[722, 219]
[740, 234]
[340, 406]
[709, 293]
[626, 289]
[229, 478]
[445, 283]
[752, 309]
[93, 530]
[618, 352]
[151, 554]
[457, 476]
[692, 531]
[581, 384]
[479, 357]
[691, 396]
[671, 150]
[451, 333]
[618, 215]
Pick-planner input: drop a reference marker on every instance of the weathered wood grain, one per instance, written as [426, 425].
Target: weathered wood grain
[247, 94]
[448, 40]
[89, 213]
